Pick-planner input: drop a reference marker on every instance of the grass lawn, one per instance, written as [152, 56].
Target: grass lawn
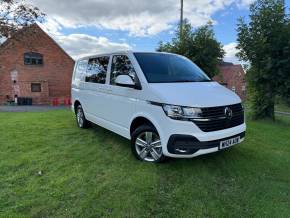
[92, 173]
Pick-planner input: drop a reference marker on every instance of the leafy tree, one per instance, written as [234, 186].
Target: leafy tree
[200, 46]
[264, 43]
[16, 14]
[284, 65]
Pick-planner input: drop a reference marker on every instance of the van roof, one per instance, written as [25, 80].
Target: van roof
[121, 52]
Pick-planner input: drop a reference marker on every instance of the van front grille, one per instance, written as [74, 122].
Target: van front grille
[219, 118]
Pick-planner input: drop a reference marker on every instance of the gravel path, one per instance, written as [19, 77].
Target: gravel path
[33, 108]
[282, 113]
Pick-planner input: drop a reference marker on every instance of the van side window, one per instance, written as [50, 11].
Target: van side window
[81, 70]
[121, 65]
[97, 70]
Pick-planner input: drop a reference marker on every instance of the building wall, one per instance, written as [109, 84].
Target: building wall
[16, 77]
[234, 78]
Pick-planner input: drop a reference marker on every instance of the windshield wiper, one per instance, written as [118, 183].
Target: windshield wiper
[206, 80]
[190, 81]
[183, 81]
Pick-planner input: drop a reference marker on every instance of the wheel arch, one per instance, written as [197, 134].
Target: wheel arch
[140, 119]
[76, 104]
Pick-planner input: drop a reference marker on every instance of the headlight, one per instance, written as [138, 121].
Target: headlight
[181, 113]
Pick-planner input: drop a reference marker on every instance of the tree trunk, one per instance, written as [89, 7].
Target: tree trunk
[287, 100]
[270, 109]
[262, 101]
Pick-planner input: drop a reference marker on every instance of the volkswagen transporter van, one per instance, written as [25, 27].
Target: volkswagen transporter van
[163, 103]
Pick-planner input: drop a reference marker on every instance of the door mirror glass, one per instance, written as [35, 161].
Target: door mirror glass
[125, 81]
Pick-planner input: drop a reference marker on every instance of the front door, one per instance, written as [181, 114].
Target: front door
[120, 101]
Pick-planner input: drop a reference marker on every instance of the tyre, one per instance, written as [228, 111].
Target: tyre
[146, 144]
[82, 122]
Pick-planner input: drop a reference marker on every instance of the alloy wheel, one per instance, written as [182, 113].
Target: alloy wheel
[148, 146]
[80, 117]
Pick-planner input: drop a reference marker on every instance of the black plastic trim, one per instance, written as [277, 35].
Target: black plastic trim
[137, 85]
[192, 144]
[155, 103]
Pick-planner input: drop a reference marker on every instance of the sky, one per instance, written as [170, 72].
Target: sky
[98, 26]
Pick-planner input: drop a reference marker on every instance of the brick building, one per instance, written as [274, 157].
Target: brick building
[233, 77]
[33, 65]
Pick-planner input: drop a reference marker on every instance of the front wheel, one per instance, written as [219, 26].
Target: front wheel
[146, 144]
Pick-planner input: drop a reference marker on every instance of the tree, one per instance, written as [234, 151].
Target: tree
[200, 46]
[15, 14]
[284, 65]
[264, 43]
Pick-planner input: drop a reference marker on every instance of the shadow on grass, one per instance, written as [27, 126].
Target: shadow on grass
[112, 138]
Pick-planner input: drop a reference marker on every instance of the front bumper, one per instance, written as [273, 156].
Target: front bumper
[204, 142]
[190, 145]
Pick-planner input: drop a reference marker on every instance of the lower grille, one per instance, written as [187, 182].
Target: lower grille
[215, 118]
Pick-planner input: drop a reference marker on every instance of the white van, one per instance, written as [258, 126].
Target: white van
[162, 102]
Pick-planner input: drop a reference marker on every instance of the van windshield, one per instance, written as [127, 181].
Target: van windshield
[169, 68]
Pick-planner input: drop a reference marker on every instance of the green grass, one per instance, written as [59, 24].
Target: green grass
[92, 173]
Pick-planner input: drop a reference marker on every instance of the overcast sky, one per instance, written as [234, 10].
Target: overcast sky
[95, 26]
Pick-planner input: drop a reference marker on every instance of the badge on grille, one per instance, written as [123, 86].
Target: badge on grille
[228, 113]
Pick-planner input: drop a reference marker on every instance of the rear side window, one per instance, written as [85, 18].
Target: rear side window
[97, 70]
[80, 71]
[121, 65]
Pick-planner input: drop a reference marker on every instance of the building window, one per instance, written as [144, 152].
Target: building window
[35, 87]
[244, 90]
[32, 58]
[234, 89]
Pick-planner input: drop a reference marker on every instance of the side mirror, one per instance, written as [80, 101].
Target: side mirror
[125, 81]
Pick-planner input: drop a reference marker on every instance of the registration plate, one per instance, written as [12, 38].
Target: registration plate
[229, 142]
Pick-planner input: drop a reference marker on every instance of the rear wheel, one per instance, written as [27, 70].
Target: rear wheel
[146, 144]
[81, 119]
